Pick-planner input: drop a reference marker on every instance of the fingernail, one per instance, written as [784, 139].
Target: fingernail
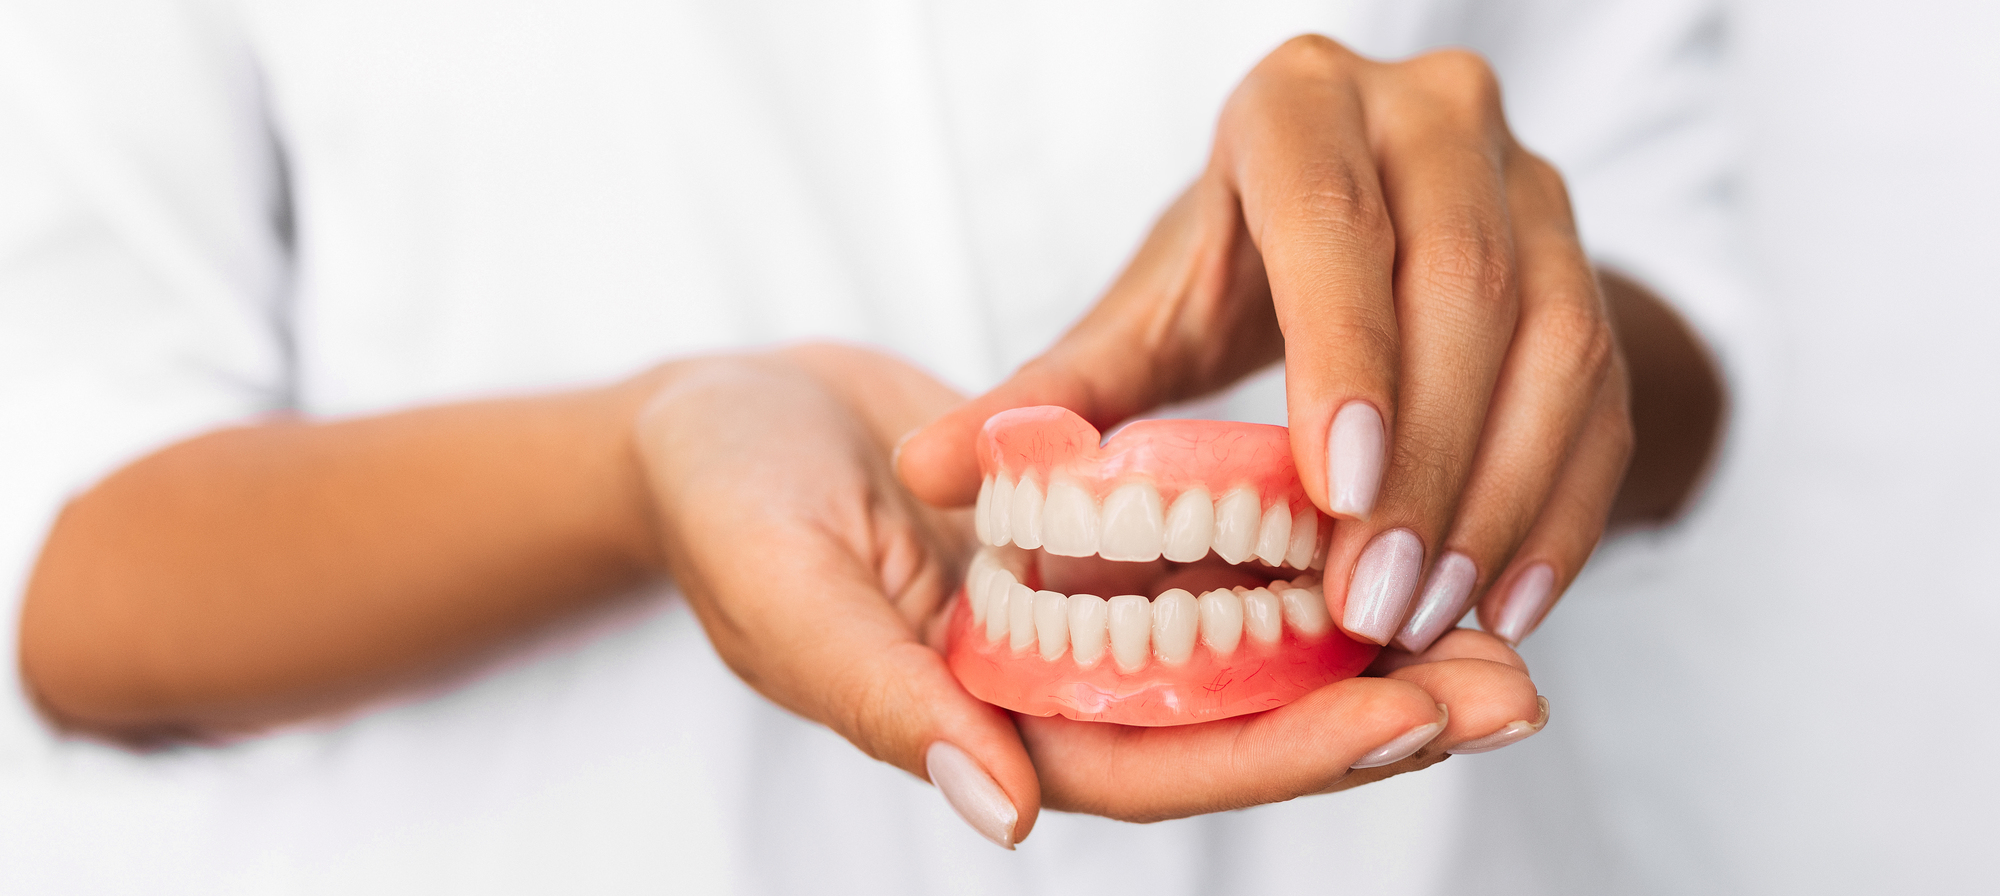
[1354, 456]
[1384, 580]
[1442, 603]
[1513, 733]
[896, 453]
[1403, 747]
[972, 792]
[1526, 602]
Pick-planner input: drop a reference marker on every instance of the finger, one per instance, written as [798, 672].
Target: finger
[1189, 315]
[1293, 143]
[1571, 523]
[818, 633]
[1150, 774]
[1461, 643]
[1491, 704]
[1562, 351]
[1440, 139]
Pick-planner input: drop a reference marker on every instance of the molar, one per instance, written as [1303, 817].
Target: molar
[1263, 615]
[1131, 625]
[1051, 624]
[1003, 501]
[1190, 526]
[1221, 621]
[1176, 620]
[1069, 520]
[1274, 534]
[1305, 609]
[1305, 538]
[1025, 514]
[1237, 517]
[1131, 524]
[1089, 617]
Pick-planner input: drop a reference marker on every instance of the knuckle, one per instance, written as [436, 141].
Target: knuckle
[1581, 337]
[1470, 257]
[1460, 80]
[1311, 55]
[1332, 194]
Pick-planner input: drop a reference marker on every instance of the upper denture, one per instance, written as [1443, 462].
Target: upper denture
[1172, 488]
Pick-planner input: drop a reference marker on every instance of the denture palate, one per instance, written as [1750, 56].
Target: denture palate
[1133, 629]
[1133, 523]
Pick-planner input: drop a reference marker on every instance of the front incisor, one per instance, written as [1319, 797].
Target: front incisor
[1132, 525]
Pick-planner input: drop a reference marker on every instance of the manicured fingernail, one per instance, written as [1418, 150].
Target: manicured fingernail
[1442, 603]
[1354, 457]
[972, 792]
[1515, 732]
[1409, 743]
[1385, 578]
[1526, 602]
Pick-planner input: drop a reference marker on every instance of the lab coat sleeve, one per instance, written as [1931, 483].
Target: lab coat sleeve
[142, 263]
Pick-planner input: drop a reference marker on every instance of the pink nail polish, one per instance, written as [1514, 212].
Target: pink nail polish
[1354, 458]
[1404, 746]
[1513, 733]
[1526, 603]
[1442, 604]
[972, 792]
[1385, 579]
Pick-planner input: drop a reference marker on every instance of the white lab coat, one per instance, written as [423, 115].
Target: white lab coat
[209, 210]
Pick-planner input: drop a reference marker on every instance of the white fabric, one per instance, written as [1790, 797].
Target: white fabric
[213, 209]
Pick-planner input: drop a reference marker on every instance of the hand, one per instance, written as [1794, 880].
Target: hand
[818, 578]
[1455, 396]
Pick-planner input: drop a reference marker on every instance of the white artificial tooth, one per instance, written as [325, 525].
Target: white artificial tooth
[1176, 622]
[1089, 618]
[1263, 615]
[1003, 501]
[1025, 514]
[997, 596]
[1132, 524]
[1052, 624]
[1221, 621]
[1237, 517]
[1306, 611]
[1306, 580]
[1130, 619]
[976, 576]
[1305, 538]
[1020, 618]
[982, 509]
[1190, 526]
[1319, 553]
[1069, 520]
[1274, 534]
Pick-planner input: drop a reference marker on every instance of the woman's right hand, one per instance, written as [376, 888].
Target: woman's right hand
[818, 578]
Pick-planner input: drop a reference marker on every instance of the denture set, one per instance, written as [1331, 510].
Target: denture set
[1178, 607]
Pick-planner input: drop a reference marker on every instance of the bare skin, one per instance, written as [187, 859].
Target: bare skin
[255, 575]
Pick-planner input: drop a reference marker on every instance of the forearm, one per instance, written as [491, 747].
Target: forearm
[257, 574]
[1677, 400]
